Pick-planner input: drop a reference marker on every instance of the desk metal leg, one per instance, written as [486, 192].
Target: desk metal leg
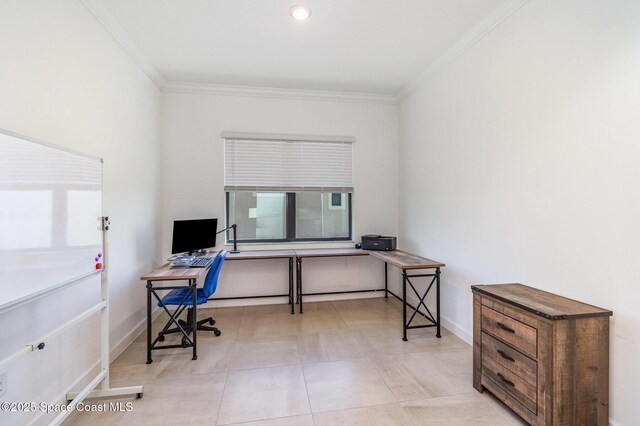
[434, 321]
[194, 318]
[386, 286]
[299, 282]
[438, 302]
[149, 285]
[404, 305]
[291, 284]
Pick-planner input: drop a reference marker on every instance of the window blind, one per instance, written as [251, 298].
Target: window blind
[261, 164]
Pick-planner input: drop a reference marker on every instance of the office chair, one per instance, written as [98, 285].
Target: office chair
[182, 297]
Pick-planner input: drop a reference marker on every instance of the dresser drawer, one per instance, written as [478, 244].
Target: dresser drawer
[514, 385]
[509, 358]
[519, 335]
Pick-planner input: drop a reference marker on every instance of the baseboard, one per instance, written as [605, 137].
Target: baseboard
[456, 329]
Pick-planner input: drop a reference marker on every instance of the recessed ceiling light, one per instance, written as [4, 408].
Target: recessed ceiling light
[300, 12]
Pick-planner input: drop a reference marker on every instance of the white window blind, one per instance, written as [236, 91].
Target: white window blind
[262, 164]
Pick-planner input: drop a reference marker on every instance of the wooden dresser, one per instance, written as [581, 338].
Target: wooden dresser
[545, 356]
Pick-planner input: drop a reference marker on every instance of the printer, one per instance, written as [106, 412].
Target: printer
[378, 242]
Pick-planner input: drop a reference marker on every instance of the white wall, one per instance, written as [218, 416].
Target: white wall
[64, 80]
[193, 187]
[519, 163]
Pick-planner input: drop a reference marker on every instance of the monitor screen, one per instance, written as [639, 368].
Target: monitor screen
[192, 235]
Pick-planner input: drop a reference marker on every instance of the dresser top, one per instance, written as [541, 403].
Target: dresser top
[542, 303]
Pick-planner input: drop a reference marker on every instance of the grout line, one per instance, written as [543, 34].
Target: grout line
[224, 389]
[306, 389]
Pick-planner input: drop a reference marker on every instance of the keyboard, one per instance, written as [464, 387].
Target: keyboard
[201, 262]
[185, 261]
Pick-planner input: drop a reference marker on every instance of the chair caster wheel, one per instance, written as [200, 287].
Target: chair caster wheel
[212, 321]
[161, 338]
[217, 332]
[139, 395]
[185, 343]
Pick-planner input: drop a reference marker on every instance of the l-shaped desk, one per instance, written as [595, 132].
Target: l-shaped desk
[398, 258]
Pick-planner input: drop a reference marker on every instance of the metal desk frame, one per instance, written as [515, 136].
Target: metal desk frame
[405, 262]
[300, 254]
[165, 273]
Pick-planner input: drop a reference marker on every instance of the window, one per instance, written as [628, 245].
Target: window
[282, 189]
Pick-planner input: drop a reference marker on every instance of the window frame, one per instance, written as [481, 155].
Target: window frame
[290, 223]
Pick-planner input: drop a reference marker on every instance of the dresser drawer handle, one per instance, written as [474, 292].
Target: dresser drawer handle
[508, 382]
[505, 328]
[505, 356]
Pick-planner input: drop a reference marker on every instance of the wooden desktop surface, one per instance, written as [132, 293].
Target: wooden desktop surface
[404, 260]
[165, 273]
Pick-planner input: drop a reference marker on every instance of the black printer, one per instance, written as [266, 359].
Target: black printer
[378, 242]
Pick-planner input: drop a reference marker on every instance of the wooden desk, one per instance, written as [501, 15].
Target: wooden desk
[166, 273]
[301, 254]
[407, 261]
[265, 254]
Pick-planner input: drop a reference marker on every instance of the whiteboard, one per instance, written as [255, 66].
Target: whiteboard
[50, 218]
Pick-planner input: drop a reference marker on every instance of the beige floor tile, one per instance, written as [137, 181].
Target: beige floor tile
[458, 360]
[130, 375]
[329, 346]
[265, 352]
[97, 418]
[264, 393]
[373, 303]
[275, 325]
[186, 400]
[133, 354]
[345, 384]
[259, 310]
[378, 415]
[313, 307]
[387, 339]
[368, 313]
[460, 410]
[320, 321]
[227, 321]
[305, 420]
[420, 375]
[214, 356]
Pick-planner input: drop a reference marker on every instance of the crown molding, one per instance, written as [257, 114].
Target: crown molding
[268, 92]
[495, 18]
[106, 18]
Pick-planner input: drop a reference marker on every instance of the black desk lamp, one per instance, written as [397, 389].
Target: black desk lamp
[235, 243]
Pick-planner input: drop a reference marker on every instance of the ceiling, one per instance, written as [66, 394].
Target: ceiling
[359, 46]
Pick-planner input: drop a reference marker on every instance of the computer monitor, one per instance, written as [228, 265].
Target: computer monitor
[193, 235]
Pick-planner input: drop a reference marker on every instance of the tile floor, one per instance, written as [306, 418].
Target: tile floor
[340, 363]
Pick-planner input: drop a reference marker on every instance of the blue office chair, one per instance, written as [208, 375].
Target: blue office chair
[182, 298]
